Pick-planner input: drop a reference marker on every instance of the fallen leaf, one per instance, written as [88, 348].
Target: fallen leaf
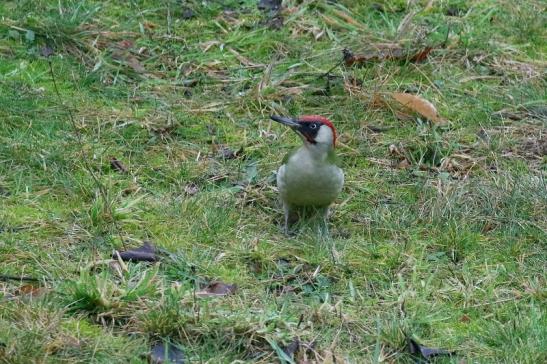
[135, 64]
[217, 289]
[465, 318]
[124, 44]
[118, 166]
[145, 253]
[165, 352]
[31, 291]
[404, 164]
[149, 25]
[418, 105]
[420, 56]
[423, 352]
[27, 289]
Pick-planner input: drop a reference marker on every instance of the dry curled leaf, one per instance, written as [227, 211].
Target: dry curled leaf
[217, 289]
[116, 165]
[28, 291]
[418, 105]
[145, 253]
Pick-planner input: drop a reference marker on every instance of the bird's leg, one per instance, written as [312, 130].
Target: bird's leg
[325, 222]
[290, 217]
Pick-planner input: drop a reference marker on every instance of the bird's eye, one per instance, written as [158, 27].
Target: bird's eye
[313, 126]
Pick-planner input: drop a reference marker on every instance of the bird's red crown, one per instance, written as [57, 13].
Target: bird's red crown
[320, 119]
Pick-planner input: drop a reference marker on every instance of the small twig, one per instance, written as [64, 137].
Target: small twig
[327, 74]
[5, 278]
[102, 188]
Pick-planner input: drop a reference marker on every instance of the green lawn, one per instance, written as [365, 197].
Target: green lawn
[440, 232]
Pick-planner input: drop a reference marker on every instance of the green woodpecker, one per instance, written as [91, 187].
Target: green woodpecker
[309, 176]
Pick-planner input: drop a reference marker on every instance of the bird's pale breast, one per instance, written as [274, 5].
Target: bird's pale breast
[306, 182]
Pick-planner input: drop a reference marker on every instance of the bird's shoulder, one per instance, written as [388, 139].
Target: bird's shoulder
[334, 159]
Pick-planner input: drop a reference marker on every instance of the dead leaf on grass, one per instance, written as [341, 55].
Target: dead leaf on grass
[116, 165]
[217, 289]
[424, 352]
[145, 253]
[28, 291]
[418, 105]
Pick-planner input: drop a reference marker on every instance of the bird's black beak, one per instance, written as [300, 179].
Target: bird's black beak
[290, 122]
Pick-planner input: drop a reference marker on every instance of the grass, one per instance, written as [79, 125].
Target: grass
[448, 247]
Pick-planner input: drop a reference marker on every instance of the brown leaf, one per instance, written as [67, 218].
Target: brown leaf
[217, 289]
[118, 166]
[125, 44]
[30, 291]
[421, 55]
[145, 253]
[404, 164]
[135, 64]
[419, 105]
[465, 318]
[149, 25]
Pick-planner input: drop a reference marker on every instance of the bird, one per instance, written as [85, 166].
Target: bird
[309, 176]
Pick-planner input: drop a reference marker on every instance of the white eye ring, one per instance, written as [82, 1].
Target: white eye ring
[313, 126]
